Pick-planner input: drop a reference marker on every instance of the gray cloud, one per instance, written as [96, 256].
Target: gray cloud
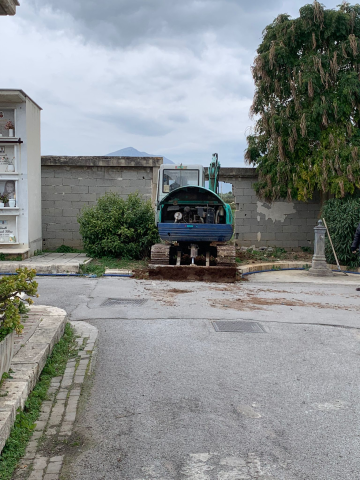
[178, 117]
[128, 23]
[169, 77]
[136, 124]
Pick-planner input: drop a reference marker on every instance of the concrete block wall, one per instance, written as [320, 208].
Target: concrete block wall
[283, 224]
[71, 183]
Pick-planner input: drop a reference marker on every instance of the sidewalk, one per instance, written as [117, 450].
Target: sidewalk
[45, 453]
[43, 328]
[49, 263]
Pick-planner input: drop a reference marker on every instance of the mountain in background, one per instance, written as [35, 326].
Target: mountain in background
[132, 152]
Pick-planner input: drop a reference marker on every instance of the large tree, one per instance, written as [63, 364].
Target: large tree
[307, 104]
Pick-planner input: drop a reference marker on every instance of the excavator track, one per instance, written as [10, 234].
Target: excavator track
[224, 272]
[160, 254]
[226, 255]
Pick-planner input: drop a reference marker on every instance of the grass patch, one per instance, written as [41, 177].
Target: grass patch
[10, 258]
[97, 266]
[61, 249]
[25, 420]
[276, 254]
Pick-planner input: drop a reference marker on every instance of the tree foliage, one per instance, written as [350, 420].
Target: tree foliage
[115, 227]
[307, 104]
[11, 300]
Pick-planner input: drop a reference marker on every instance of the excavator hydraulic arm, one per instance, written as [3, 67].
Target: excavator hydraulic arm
[214, 170]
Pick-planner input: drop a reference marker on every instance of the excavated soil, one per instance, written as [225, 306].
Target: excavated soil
[252, 302]
[193, 274]
[167, 297]
[177, 290]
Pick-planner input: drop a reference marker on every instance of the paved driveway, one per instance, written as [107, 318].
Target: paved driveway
[172, 398]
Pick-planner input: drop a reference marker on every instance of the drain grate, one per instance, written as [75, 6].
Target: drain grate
[112, 302]
[241, 327]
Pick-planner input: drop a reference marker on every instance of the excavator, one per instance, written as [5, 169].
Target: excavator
[195, 226]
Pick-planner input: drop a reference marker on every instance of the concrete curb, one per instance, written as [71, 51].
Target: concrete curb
[28, 363]
[48, 263]
[11, 267]
[255, 267]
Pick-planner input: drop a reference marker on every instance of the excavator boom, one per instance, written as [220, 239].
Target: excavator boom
[214, 170]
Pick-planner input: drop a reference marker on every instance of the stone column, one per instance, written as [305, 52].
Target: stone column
[319, 266]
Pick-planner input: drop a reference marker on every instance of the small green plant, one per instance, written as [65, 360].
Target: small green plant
[306, 266]
[275, 267]
[117, 227]
[278, 252]
[10, 258]
[4, 198]
[5, 376]
[11, 302]
[259, 255]
[23, 309]
[306, 249]
[98, 265]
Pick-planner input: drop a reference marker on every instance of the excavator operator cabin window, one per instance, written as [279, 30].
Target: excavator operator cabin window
[173, 179]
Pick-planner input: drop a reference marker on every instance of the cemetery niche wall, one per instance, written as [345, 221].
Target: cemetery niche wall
[20, 174]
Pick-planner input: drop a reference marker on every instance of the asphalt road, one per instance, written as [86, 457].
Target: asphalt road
[172, 398]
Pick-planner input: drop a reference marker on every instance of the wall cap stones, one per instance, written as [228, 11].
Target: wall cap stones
[51, 160]
[235, 172]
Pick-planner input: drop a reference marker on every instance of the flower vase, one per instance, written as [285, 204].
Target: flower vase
[11, 202]
[11, 132]
[2, 205]
[10, 168]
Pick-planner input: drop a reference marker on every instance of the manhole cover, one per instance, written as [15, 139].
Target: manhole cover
[110, 302]
[241, 327]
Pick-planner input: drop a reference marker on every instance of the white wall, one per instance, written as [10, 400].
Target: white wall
[33, 175]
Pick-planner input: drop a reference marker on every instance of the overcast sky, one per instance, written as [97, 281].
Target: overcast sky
[167, 77]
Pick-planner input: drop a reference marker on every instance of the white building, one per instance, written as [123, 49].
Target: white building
[20, 174]
[8, 7]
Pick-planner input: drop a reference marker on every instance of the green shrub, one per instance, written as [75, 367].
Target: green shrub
[11, 304]
[115, 227]
[342, 216]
